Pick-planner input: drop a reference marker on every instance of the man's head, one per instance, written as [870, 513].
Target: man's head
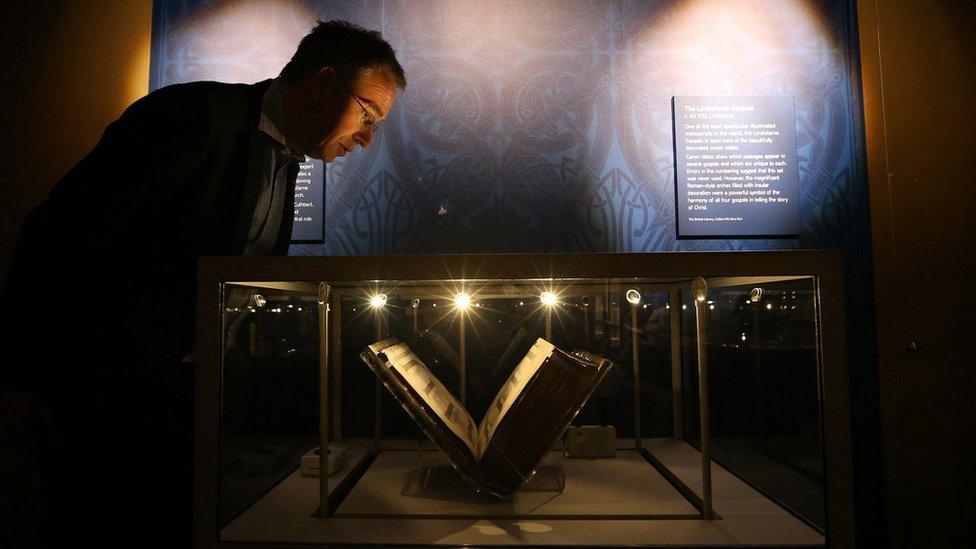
[340, 83]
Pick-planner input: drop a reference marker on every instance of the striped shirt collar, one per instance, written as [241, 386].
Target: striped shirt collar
[273, 116]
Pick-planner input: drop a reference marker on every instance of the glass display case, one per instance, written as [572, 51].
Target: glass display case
[721, 417]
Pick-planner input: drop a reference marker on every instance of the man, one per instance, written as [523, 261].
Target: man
[101, 286]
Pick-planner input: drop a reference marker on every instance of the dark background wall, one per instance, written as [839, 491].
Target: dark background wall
[67, 69]
[919, 74]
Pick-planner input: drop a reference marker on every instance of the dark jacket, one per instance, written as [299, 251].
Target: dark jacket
[98, 309]
[122, 231]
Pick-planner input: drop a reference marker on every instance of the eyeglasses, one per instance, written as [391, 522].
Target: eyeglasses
[368, 120]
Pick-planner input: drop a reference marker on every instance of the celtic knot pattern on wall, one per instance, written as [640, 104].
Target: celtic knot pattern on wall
[546, 125]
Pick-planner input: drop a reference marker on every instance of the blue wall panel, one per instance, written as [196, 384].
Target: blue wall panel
[546, 125]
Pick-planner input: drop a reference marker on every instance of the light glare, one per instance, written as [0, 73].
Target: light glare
[548, 298]
[633, 297]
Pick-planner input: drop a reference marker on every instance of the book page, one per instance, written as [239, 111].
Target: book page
[516, 383]
[437, 397]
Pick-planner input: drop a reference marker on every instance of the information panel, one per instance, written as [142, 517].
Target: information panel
[735, 167]
[309, 203]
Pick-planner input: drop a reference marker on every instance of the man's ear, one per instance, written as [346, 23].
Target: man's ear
[321, 80]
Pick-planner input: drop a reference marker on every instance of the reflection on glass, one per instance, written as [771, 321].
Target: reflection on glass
[760, 339]
[764, 402]
[269, 399]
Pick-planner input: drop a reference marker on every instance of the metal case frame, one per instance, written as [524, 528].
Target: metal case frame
[314, 275]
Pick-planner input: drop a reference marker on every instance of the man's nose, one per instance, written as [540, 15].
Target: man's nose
[365, 137]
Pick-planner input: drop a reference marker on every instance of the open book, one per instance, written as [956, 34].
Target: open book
[528, 415]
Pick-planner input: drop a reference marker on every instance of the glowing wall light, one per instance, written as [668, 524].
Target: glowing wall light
[244, 41]
[719, 44]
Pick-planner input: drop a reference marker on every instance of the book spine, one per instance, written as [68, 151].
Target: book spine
[537, 419]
